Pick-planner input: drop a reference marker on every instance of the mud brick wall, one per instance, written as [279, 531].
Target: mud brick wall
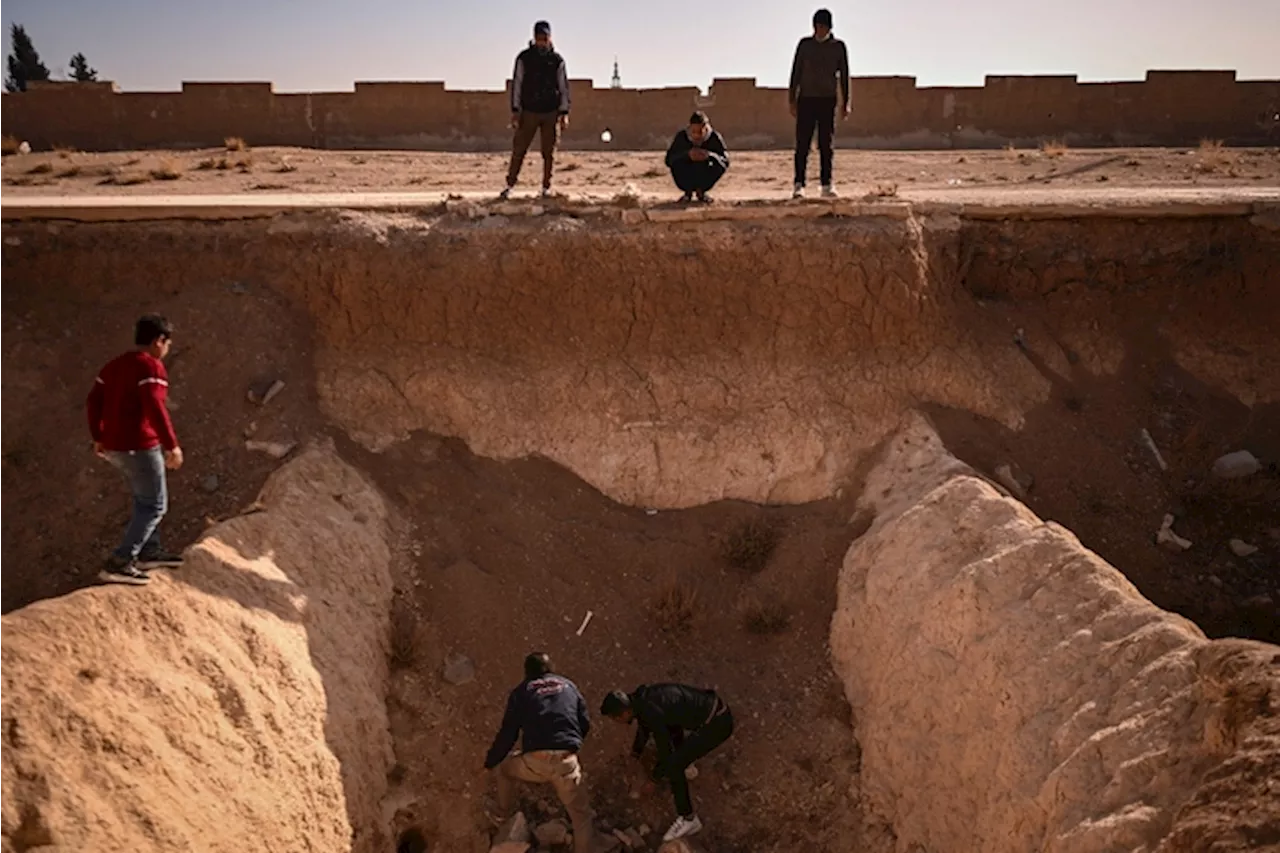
[1167, 108]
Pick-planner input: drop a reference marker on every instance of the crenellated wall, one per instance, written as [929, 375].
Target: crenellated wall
[1167, 108]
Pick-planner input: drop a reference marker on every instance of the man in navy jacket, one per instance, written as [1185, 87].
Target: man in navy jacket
[552, 715]
[697, 158]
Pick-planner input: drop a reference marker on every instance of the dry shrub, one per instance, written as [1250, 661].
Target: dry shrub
[223, 164]
[751, 545]
[235, 143]
[675, 606]
[244, 164]
[42, 168]
[1211, 155]
[207, 164]
[9, 145]
[1053, 147]
[764, 616]
[285, 167]
[404, 633]
[167, 171]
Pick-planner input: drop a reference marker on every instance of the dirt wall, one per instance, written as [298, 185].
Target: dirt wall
[1013, 692]
[236, 704]
[1167, 108]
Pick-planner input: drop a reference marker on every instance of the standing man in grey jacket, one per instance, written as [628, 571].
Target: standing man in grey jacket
[539, 104]
[820, 66]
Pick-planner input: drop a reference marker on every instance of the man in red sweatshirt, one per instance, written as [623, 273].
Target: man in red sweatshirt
[131, 429]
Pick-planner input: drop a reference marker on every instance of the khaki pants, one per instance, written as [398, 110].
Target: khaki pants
[559, 769]
[530, 125]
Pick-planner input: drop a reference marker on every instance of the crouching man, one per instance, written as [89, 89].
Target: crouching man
[553, 716]
[697, 158]
[686, 723]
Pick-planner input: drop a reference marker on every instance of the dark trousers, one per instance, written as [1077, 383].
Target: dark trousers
[693, 177]
[686, 750]
[531, 124]
[811, 114]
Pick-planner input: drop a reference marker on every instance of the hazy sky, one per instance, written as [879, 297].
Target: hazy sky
[148, 45]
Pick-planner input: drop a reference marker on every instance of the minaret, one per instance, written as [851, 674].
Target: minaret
[617, 78]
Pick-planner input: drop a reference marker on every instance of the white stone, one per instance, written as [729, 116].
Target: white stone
[1241, 463]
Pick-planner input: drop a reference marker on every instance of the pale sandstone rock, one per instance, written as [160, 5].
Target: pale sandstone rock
[1013, 692]
[235, 705]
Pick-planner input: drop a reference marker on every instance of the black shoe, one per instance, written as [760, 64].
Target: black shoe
[159, 559]
[120, 571]
[703, 198]
[686, 198]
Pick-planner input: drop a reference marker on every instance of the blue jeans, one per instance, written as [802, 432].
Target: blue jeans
[144, 469]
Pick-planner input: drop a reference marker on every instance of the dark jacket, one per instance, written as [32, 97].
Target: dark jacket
[540, 82]
[661, 707]
[713, 143]
[818, 67]
[551, 713]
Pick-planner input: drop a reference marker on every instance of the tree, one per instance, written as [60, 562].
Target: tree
[80, 70]
[24, 63]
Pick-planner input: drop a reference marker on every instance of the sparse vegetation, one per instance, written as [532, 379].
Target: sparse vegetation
[764, 616]
[235, 143]
[9, 145]
[244, 164]
[1053, 148]
[1211, 155]
[285, 167]
[675, 606]
[168, 170]
[207, 164]
[751, 545]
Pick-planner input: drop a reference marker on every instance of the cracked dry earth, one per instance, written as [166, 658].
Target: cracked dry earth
[523, 395]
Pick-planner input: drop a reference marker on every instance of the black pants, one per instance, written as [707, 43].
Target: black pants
[693, 177]
[811, 113]
[685, 751]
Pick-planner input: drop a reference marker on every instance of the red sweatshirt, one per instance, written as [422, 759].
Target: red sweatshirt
[126, 406]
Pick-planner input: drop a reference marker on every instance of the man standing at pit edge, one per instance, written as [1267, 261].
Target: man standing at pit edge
[821, 62]
[539, 104]
[131, 429]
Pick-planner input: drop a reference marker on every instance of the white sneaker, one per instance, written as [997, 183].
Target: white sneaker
[829, 191]
[682, 827]
[798, 192]
[505, 194]
[546, 192]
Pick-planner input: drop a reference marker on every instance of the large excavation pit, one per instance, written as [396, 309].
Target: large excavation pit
[798, 453]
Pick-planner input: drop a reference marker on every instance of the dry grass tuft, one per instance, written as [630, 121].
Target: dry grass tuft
[751, 545]
[168, 170]
[207, 164]
[764, 617]
[675, 606]
[9, 145]
[1211, 155]
[244, 164]
[235, 143]
[286, 167]
[1053, 148]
